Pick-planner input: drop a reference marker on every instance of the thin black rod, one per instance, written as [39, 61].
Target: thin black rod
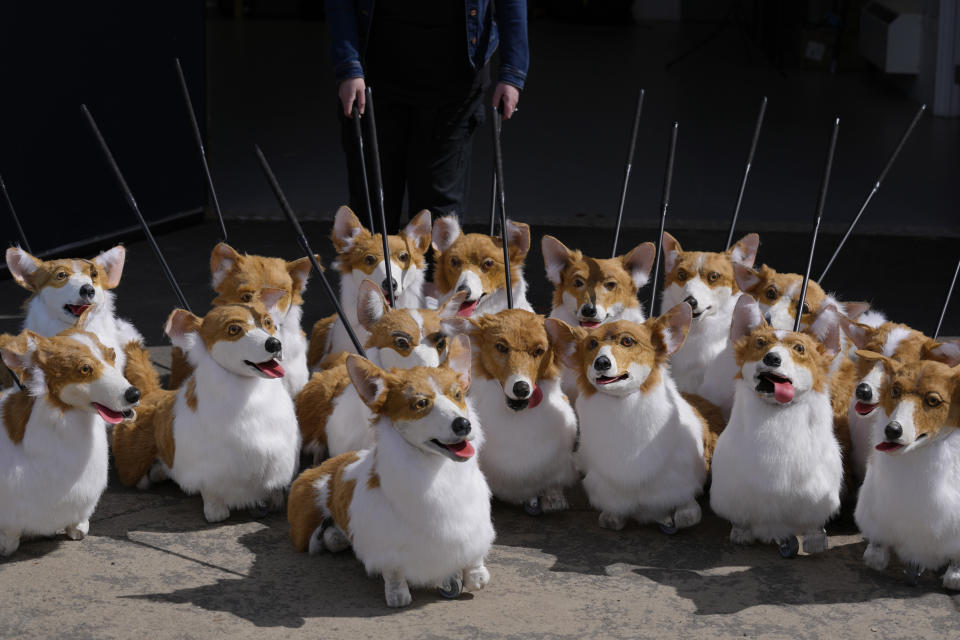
[746, 170]
[133, 205]
[203, 153]
[302, 239]
[664, 205]
[502, 197]
[358, 134]
[16, 221]
[876, 187]
[946, 303]
[493, 201]
[821, 200]
[626, 172]
[378, 185]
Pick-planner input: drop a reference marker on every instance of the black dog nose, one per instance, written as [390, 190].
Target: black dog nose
[132, 395]
[602, 363]
[588, 311]
[521, 389]
[893, 430]
[767, 317]
[272, 345]
[864, 392]
[383, 285]
[461, 426]
[87, 291]
[462, 287]
[771, 359]
[690, 300]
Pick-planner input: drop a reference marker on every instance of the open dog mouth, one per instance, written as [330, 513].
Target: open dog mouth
[589, 324]
[270, 368]
[113, 417]
[781, 387]
[458, 451]
[888, 446]
[76, 309]
[864, 409]
[467, 308]
[611, 379]
[697, 314]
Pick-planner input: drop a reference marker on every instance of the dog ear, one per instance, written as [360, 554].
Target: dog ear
[82, 320]
[564, 340]
[417, 232]
[745, 250]
[446, 230]
[18, 351]
[111, 261]
[460, 359]
[671, 251]
[826, 329]
[222, 260]
[873, 356]
[299, 271]
[457, 325]
[746, 277]
[854, 310]
[746, 317]
[369, 380]
[946, 352]
[450, 308]
[371, 305]
[346, 229]
[180, 324]
[671, 329]
[271, 297]
[22, 266]
[518, 235]
[639, 262]
[556, 258]
[858, 333]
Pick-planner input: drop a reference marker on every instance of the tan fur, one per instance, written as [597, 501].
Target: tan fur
[140, 368]
[249, 275]
[16, 413]
[916, 346]
[319, 337]
[302, 510]
[67, 367]
[478, 253]
[137, 445]
[216, 325]
[398, 323]
[842, 384]
[373, 481]
[523, 335]
[713, 423]
[772, 286]
[315, 403]
[753, 346]
[715, 270]
[56, 273]
[605, 282]
[180, 368]
[924, 381]
[191, 394]
[365, 251]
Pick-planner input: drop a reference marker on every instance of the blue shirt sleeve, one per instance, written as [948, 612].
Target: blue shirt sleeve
[344, 39]
[514, 45]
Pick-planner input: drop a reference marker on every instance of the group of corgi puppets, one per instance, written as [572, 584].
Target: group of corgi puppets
[459, 398]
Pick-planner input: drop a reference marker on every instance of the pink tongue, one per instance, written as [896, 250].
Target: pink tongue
[783, 392]
[78, 309]
[863, 408]
[111, 416]
[272, 368]
[461, 449]
[589, 324]
[536, 398]
[467, 308]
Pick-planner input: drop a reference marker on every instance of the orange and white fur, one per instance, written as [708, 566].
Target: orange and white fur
[705, 281]
[641, 442]
[63, 290]
[473, 262]
[229, 433]
[359, 258]
[529, 424]
[415, 506]
[910, 498]
[53, 451]
[777, 467]
[333, 418]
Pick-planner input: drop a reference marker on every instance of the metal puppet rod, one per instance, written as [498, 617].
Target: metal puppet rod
[746, 170]
[626, 173]
[378, 185]
[946, 303]
[502, 197]
[664, 205]
[16, 220]
[358, 134]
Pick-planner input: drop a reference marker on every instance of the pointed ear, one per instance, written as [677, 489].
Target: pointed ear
[371, 305]
[346, 229]
[858, 333]
[270, 297]
[22, 265]
[181, 323]
[18, 351]
[826, 329]
[671, 252]
[518, 235]
[82, 320]
[855, 309]
[946, 352]
[873, 356]
[418, 230]
[671, 329]
[299, 271]
[745, 276]
[746, 318]
[369, 380]
[111, 261]
[460, 358]
[446, 230]
[745, 250]
[449, 309]
[457, 325]
[222, 260]
[564, 340]
[639, 262]
[556, 257]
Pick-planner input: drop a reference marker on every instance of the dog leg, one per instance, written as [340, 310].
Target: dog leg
[475, 578]
[951, 579]
[815, 541]
[277, 500]
[319, 455]
[876, 556]
[688, 515]
[335, 540]
[144, 483]
[214, 509]
[612, 521]
[553, 500]
[158, 472]
[395, 589]
[741, 535]
[9, 541]
[78, 531]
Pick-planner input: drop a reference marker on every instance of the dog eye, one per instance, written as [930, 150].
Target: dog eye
[539, 351]
[627, 341]
[267, 322]
[247, 297]
[455, 262]
[771, 294]
[578, 283]
[713, 277]
[798, 348]
[404, 257]
[457, 394]
[592, 344]
[610, 286]
[422, 403]
[61, 275]
[441, 344]
[402, 343]
[370, 259]
[487, 264]
[932, 400]
[85, 369]
[681, 275]
[93, 274]
[895, 391]
[234, 330]
[761, 343]
[502, 348]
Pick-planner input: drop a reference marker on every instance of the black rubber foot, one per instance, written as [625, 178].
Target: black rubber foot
[260, 510]
[668, 528]
[532, 506]
[789, 547]
[452, 588]
[912, 573]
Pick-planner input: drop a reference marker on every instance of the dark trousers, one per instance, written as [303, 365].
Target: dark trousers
[424, 152]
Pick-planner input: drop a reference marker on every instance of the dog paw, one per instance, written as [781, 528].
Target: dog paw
[9, 542]
[553, 500]
[78, 531]
[158, 473]
[741, 535]
[815, 542]
[144, 483]
[687, 515]
[612, 521]
[876, 556]
[335, 540]
[951, 579]
[215, 510]
[396, 592]
[475, 578]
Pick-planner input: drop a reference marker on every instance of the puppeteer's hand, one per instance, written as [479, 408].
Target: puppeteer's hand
[508, 95]
[353, 89]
